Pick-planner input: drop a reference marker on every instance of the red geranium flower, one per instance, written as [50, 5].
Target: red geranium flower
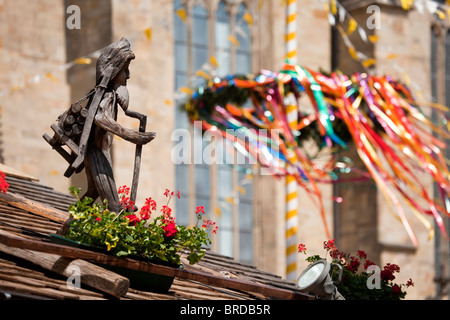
[409, 283]
[134, 219]
[387, 275]
[170, 230]
[209, 224]
[302, 248]
[362, 254]
[368, 263]
[3, 184]
[124, 190]
[396, 289]
[336, 254]
[353, 265]
[145, 212]
[200, 209]
[329, 245]
[166, 210]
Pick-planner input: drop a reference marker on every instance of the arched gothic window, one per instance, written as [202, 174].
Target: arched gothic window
[213, 37]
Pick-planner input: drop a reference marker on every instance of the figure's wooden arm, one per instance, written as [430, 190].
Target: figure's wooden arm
[109, 124]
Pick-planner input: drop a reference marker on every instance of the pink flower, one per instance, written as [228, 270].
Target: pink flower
[211, 225]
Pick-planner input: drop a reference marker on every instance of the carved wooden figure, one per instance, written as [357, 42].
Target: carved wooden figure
[88, 131]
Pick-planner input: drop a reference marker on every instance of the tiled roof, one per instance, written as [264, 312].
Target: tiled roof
[215, 277]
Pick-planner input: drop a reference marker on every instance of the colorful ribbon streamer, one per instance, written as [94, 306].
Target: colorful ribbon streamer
[392, 136]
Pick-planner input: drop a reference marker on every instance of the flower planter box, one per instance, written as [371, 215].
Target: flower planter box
[138, 279]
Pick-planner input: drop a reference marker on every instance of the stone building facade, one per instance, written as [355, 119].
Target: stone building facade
[38, 80]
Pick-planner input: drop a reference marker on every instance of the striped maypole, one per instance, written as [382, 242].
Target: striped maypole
[291, 31]
[291, 223]
[291, 184]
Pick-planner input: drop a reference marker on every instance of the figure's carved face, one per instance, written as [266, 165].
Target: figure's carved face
[119, 84]
[123, 75]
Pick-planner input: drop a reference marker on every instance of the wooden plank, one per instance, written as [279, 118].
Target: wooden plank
[40, 292]
[148, 295]
[37, 208]
[235, 284]
[58, 148]
[15, 217]
[40, 194]
[239, 270]
[11, 172]
[90, 274]
[72, 145]
[9, 270]
[193, 290]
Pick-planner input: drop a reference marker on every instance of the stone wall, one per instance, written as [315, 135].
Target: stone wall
[31, 56]
[151, 89]
[403, 52]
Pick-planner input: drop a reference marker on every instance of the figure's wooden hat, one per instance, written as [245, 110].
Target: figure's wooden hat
[114, 56]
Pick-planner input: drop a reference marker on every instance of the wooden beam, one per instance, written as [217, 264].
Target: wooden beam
[16, 173]
[58, 147]
[37, 208]
[72, 145]
[90, 274]
[76, 253]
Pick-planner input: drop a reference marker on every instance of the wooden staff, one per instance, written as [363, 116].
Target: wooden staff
[138, 154]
